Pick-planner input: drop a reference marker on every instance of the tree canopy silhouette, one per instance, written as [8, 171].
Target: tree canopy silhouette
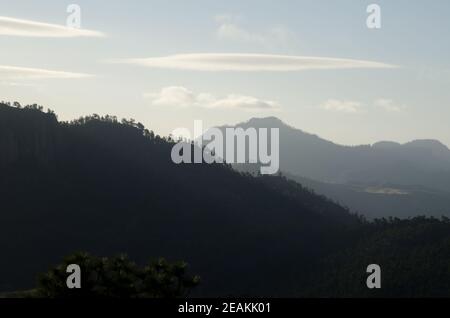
[117, 277]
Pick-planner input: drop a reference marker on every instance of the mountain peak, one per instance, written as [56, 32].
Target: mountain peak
[270, 121]
[435, 146]
[427, 143]
[386, 144]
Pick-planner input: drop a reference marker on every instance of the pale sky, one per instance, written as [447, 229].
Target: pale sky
[314, 64]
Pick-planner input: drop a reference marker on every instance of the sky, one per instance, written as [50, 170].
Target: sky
[314, 64]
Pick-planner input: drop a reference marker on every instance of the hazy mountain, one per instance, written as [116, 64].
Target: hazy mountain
[107, 187]
[421, 162]
[383, 201]
[420, 169]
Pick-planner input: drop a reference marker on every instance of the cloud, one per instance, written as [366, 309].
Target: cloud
[389, 105]
[28, 28]
[18, 84]
[245, 102]
[348, 106]
[24, 73]
[182, 97]
[250, 62]
[229, 29]
[173, 96]
[342, 106]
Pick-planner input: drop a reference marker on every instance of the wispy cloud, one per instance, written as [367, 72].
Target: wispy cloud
[230, 29]
[28, 28]
[345, 106]
[389, 105]
[25, 73]
[18, 84]
[349, 106]
[182, 97]
[251, 62]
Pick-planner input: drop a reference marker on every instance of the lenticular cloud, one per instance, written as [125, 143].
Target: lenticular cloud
[13, 72]
[252, 62]
[28, 28]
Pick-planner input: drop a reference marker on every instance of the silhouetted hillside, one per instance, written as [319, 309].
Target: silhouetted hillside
[109, 187]
[105, 187]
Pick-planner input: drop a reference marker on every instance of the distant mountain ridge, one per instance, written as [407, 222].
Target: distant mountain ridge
[419, 162]
[365, 178]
